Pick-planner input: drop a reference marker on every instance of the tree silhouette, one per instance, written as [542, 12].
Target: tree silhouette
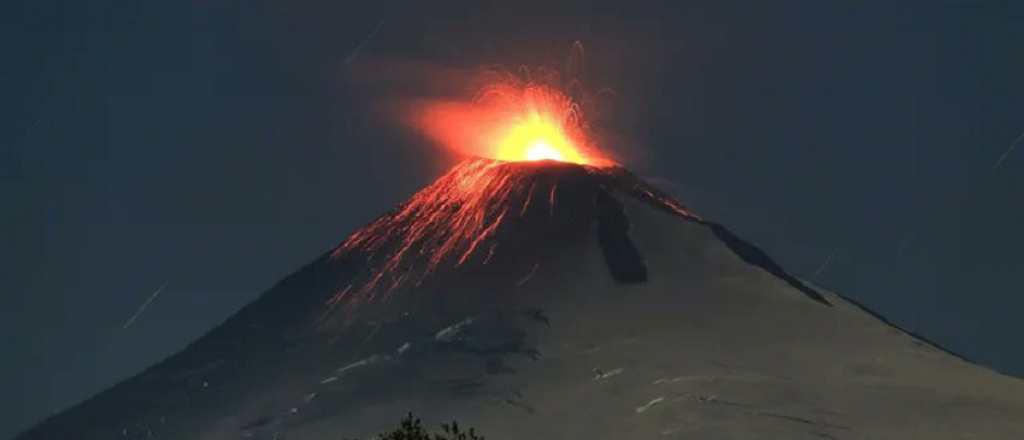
[411, 428]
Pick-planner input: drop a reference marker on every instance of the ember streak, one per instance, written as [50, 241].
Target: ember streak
[448, 219]
[451, 220]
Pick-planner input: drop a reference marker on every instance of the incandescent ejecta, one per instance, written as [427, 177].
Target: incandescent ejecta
[540, 291]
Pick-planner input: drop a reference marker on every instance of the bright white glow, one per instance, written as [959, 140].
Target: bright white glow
[541, 150]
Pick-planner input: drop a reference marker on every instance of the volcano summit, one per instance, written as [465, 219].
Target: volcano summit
[547, 300]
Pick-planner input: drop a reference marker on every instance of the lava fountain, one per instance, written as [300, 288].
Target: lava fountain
[512, 121]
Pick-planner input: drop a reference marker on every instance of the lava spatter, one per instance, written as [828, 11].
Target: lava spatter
[513, 121]
[447, 220]
[450, 221]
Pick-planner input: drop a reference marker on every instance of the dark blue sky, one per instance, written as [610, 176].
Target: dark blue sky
[217, 146]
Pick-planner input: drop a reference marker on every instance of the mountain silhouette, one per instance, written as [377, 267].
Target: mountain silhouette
[552, 301]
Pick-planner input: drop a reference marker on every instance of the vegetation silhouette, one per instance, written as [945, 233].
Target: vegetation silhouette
[411, 428]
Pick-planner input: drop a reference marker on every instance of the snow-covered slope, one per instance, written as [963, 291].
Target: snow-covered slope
[600, 310]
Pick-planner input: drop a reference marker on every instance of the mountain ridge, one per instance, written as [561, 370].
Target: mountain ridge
[584, 270]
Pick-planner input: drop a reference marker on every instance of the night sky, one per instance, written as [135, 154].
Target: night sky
[217, 146]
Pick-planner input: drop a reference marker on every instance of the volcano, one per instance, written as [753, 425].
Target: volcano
[547, 300]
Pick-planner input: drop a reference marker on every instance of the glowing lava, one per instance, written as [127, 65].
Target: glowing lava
[445, 221]
[511, 121]
[541, 150]
[453, 222]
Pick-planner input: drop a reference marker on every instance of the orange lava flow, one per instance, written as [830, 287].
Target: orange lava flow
[511, 121]
[451, 221]
[447, 220]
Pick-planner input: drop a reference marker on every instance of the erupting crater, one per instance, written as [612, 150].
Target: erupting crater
[529, 147]
[512, 122]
